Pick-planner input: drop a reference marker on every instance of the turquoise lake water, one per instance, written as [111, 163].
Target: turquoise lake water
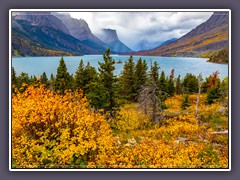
[181, 65]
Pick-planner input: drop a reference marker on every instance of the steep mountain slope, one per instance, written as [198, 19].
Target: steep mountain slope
[110, 37]
[168, 41]
[81, 31]
[42, 34]
[209, 36]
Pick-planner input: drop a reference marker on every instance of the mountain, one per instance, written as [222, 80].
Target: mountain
[168, 41]
[209, 36]
[43, 34]
[148, 45]
[110, 37]
[79, 29]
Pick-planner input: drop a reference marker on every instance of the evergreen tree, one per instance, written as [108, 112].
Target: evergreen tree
[34, 80]
[140, 74]
[185, 102]
[171, 88]
[23, 78]
[97, 96]
[224, 91]
[128, 80]
[162, 82]
[63, 78]
[154, 71]
[84, 76]
[178, 85]
[90, 75]
[52, 82]
[108, 81]
[163, 89]
[79, 76]
[44, 79]
[213, 88]
[212, 94]
[170, 84]
[190, 82]
[14, 77]
[72, 83]
[212, 81]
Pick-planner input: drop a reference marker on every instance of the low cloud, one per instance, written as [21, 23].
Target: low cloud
[133, 28]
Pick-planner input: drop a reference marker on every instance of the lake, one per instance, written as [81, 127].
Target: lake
[182, 65]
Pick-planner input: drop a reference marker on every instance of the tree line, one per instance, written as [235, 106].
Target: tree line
[136, 83]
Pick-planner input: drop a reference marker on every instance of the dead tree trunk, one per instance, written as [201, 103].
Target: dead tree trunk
[198, 98]
[149, 99]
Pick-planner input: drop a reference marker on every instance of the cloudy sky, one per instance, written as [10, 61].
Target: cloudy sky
[137, 29]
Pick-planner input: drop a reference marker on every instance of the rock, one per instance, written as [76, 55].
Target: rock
[132, 141]
[222, 110]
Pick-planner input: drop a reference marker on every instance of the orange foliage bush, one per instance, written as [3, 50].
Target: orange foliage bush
[51, 130]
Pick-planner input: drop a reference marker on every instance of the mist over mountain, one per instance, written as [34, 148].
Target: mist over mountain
[148, 45]
[209, 36]
[110, 37]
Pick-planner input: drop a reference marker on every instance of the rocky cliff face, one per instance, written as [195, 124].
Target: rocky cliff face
[42, 19]
[211, 35]
[110, 37]
[79, 29]
[43, 34]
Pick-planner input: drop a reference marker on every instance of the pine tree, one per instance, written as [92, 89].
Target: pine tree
[178, 85]
[224, 91]
[170, 84]
[52, 81]
[90, 75]
[213, 88]
[96, 95]
[62, 82]
[154, 71]
[14, 77]
[128, 80]
[162, 82]
[84, 76]
[212, 94]
[185, 102]
[141, 74]
[23, 78]
[34, 80]
[108, 81]
[79, 76]
[44, 79]
[190, 82]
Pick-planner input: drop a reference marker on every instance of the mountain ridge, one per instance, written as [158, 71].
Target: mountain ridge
[43, 34]
[79, 29]
[212, 35]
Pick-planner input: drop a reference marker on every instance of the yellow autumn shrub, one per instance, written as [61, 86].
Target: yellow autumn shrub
[60, 131]
[52, 130]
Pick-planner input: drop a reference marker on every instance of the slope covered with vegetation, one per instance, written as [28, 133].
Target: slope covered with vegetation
[218, 57]
[211, 35]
